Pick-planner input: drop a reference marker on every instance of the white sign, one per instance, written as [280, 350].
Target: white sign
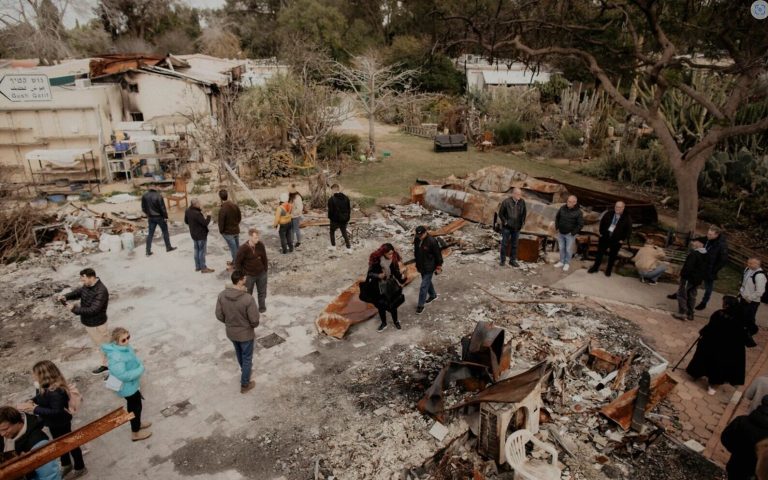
[26, 88]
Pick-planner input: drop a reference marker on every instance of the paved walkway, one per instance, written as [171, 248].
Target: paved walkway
[701, 417]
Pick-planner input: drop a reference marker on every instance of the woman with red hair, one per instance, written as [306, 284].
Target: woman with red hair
[384, 283]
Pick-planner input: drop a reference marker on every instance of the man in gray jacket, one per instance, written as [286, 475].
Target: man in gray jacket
[568, 223]
[236, 308]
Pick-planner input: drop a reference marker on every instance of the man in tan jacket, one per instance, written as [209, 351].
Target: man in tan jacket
[649, 263]
[237, 309]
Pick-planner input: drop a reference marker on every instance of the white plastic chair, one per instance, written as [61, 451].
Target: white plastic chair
[530, 469]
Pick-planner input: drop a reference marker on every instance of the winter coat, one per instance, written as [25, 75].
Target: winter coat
[740, 438]
[622, 230]
[428, 254]
[238, 311]
[125, 366]
[569, 220]
[648, 258]
[52, 406]
[717, 256]
[721, 353]
[251, 260]
[339, 208]
[198, 224]
[229, 218]
[373, 279]
[512, 214]
[283, 214]
[153, 204]
[695, 266]
[93, 304]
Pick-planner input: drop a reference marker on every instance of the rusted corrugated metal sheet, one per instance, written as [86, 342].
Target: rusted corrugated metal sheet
[27, 463]
[123, 62]
[620, 410]
[513, 389]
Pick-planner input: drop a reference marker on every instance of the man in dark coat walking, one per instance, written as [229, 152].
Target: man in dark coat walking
[252, 260]
[740, 438]
[429, 262]
[198, 230]
[717, 256]
[236, 308]
[153, 206]
[615, 227]
[339, 212]
[229, 223]
[512, 214]
[94, 299]
[693, 273]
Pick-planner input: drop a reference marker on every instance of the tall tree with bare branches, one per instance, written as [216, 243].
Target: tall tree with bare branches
[657, 43]
[34, 28]
[376, 86]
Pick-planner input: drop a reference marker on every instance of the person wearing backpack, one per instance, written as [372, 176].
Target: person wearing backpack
[283, 223]
[339, 211]
[752, 291]
[54, 403]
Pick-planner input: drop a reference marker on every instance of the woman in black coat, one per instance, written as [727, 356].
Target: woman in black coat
[720, 354]
[384, 283]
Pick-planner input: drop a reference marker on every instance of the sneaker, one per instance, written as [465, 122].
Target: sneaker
[592, 269]
[207, 270]
[701, 306]
[171, 249]
[514, 263]
[100, 370]
[607, 273]
[140, 435]
[297, 245]
[349, 251]
[642, 279]
[247, 388]
[419, 309]
[76, 473]
[198, 269]
[382, 327]
[566, 267]
[558, 264]
[711, 391]
[398, 326]
[65, 469]
[652, 282]
[431, 299]
[332, 248]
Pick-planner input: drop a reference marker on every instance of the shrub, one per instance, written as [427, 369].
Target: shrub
[551, 90]
[635, 166]
[510, 132]
[336, 144]
[572, 136]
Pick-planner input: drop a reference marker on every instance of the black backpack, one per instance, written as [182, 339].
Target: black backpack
[764, 298]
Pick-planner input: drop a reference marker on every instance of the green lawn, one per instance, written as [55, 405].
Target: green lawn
[412, 157]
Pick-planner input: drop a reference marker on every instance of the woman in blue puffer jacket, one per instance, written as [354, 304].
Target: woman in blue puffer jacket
[126, 367]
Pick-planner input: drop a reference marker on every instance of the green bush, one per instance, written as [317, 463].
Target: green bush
[551, 90]
[335, 144]
[572, 136]
[635, 166]
[510, 132]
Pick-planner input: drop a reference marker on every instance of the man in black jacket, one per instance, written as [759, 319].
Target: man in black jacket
[198, 230]
[339, 211]
[568, 223]
[693, 273]
[615, 227]
[512, 217]
[717, 254]
[429, 261]
[740, 438]
[153, 206]
[94, 299]
[26, 432]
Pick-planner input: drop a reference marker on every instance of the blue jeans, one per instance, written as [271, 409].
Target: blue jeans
[244, 354]
[426, 288]
[153, 224]
[233, 242]
[709, 285]
[565, 243]
[200, 254]
[654, 274]
[509, 237]
[296, 221]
